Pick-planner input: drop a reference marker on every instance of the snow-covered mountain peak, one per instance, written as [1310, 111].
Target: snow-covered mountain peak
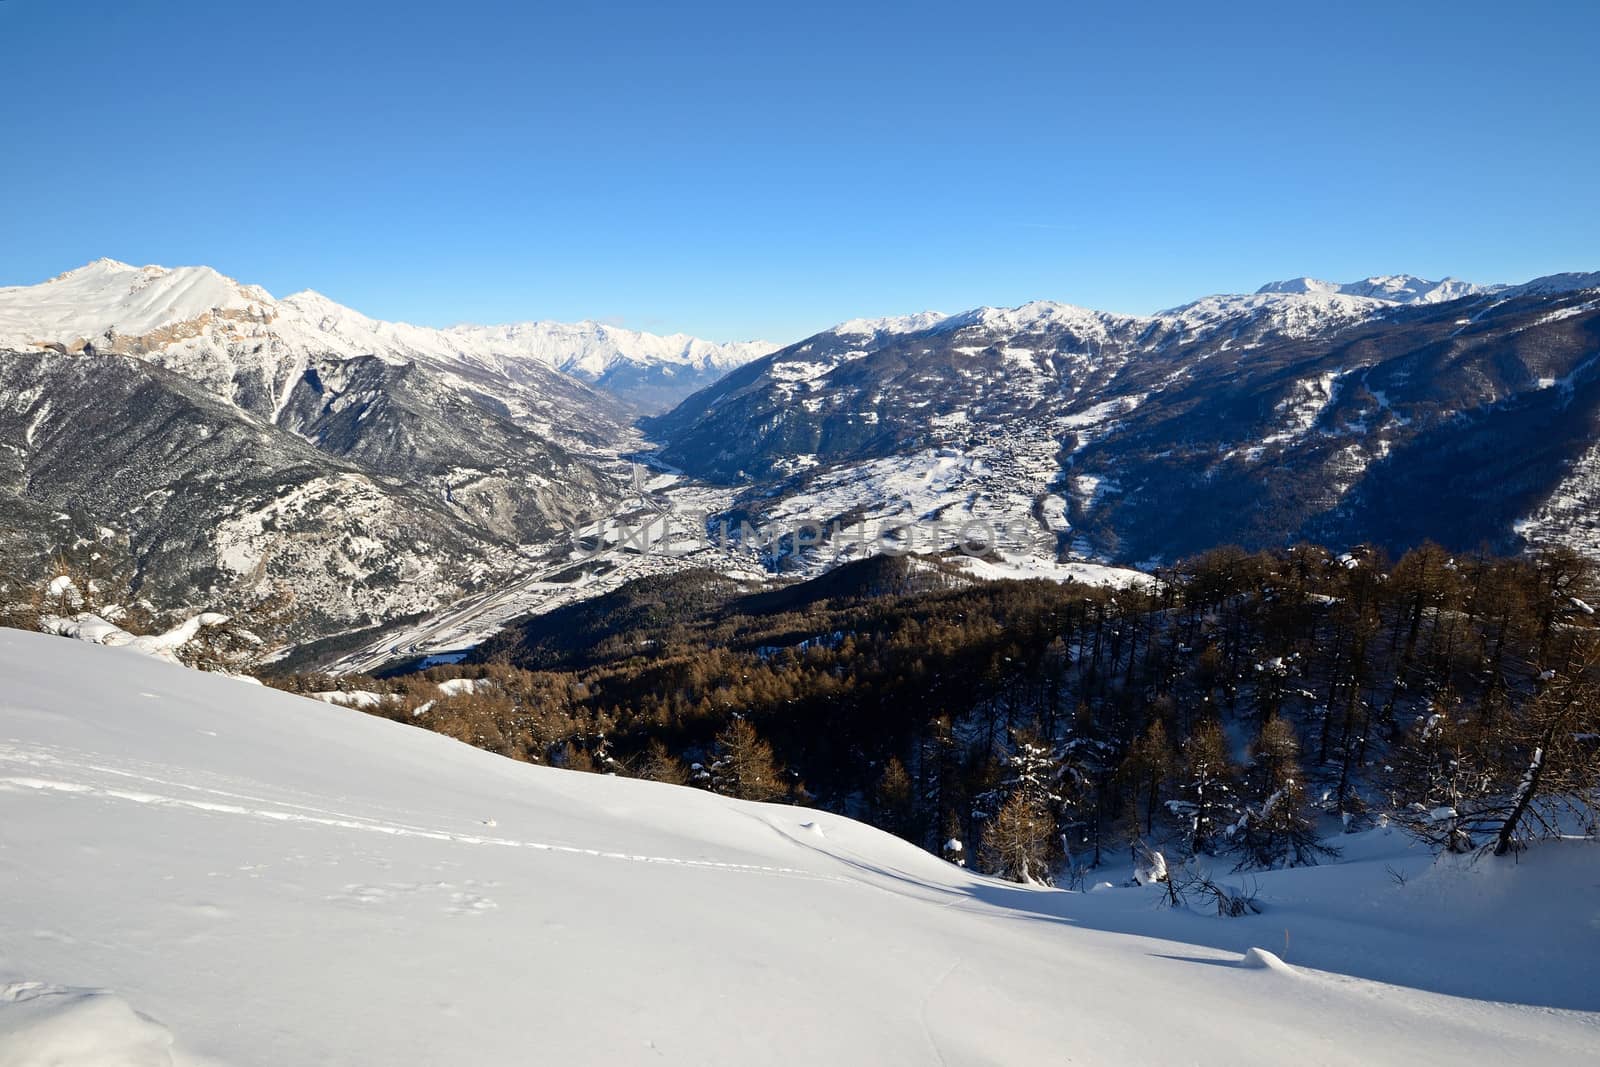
[890, 325]
[1299, 285]
[208, 324]
[1394, 288]
[310, 299]
[1302, 302]
[1039, 315]
[1551, 284]
[590, 348]
[311, 309]
[108, 296]
[1294, 314]
[103, 265]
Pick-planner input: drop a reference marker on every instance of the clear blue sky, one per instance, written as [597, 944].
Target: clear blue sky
[755, 169]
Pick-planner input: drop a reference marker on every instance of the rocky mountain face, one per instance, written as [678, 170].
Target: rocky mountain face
[212, 503]
[236, 442]
[464, 446]
[1390, 410]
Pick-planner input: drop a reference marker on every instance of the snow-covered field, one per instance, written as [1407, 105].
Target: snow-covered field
[265, 879]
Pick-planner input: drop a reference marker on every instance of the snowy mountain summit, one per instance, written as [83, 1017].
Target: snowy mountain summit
[1305, 300]
[1397, 288]
[187, 314]
[108, 296]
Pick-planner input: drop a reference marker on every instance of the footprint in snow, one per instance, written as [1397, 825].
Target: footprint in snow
[460, 901]
[470, 904]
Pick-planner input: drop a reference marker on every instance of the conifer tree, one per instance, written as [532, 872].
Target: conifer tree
[744, 765]
[1016, 841]
[660, 765]
[1209, 785]
[1147, 768]
[896, 801]
[939, 771]
[951, 847]
[1276, 831]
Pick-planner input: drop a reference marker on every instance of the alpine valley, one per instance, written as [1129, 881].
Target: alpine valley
[417, 489]
[1261, 725]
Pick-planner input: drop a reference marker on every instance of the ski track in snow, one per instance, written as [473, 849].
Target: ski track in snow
[26, 758]
[927, 1004]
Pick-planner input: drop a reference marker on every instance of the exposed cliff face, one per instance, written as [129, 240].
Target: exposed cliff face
[402, 422]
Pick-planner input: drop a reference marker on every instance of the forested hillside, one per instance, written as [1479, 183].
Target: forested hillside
[1236, 706]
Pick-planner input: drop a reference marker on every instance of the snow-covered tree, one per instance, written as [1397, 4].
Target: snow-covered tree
[952, 848]
[1209, 786]
[1034, 769]
[238, 642]
[1147, 768]
[1051, 782]
[1436, 777]
[1277, 832]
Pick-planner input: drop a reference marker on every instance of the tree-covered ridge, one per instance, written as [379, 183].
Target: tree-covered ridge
[1238, 706]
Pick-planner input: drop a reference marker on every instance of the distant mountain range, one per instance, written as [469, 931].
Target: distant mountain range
[229, 440]
[1392, 410]
[1400, 288]
[195, 317]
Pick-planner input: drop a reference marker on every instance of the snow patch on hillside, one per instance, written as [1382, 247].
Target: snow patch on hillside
[1300, 410]
[1570, 515]
[86, 626]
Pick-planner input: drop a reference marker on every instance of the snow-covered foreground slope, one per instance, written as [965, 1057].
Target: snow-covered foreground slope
[276, 881]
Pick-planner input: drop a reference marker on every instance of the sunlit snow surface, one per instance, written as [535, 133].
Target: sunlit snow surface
[271, 880]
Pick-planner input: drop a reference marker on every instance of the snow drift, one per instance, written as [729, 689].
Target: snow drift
[87, 626]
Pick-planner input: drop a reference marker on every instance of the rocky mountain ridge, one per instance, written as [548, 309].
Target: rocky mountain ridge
[1255, 419]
